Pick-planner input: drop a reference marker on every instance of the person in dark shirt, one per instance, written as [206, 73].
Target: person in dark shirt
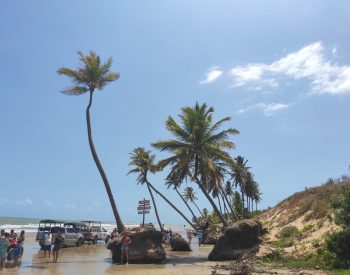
[58, 241]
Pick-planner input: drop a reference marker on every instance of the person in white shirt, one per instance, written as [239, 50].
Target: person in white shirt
[47, 243]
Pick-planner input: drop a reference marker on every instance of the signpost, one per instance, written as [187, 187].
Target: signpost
[144, 208]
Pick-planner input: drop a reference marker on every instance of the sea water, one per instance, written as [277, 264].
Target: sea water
[32, 224]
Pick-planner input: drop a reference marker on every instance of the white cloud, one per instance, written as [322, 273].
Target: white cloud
[268, 108]
[334, 51]
[70, 205]
[26, 201]
[310, 63]
[212, 75]
[48, 203]
[3, 201]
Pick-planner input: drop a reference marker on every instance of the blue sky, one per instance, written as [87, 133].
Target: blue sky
[281, 69]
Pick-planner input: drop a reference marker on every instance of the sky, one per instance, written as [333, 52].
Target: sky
[280, 69]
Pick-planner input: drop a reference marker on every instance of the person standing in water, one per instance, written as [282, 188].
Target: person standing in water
[4, 244]
[200, 236]
[56, 246]
[189, 236]
[47, 243]
[125, 241]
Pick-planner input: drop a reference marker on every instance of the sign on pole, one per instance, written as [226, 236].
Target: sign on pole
[144, 208]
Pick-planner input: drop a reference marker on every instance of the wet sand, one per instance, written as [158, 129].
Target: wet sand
[96, 259]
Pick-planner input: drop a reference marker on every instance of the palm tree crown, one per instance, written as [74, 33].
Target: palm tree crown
[198, 150]
[93, 75]
[143, 162]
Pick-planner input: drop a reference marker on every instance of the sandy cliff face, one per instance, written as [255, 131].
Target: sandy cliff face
[297, 225]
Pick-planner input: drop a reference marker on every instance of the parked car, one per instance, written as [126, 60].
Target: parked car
[45, 226]
[73, 236]
[97, 231]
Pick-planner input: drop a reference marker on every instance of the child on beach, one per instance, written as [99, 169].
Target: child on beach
[125, 241]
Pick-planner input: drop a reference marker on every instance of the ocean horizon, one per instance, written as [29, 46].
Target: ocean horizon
[31, 224]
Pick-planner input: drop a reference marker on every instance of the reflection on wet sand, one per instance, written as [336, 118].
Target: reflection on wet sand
[96, 259]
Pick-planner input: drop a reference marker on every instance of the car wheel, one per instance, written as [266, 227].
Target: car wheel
[107, 239]
[95, 240]
[79, 242]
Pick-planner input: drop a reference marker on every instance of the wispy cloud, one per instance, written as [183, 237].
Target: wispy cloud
[48, 203]
[70, 205]
[309, 63]
[268, 108]
[212, 75]
[3, 201]
[25, 201]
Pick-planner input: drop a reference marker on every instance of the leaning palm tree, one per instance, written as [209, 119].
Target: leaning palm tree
[92, 76]
[194, 218]
[190, 195]
[143, 162]
[198, 150]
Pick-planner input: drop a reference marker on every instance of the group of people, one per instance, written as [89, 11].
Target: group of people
[55, 239]
[11, 247]
[198, 233]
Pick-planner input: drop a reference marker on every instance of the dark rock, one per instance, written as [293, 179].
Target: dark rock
[146, 247]
[211, 236]
[178, 243]
[272, 255]
[240, 239]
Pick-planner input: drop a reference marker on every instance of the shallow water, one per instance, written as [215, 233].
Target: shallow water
[96, 259]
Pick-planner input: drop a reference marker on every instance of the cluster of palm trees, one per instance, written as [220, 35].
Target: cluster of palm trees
[198, 153]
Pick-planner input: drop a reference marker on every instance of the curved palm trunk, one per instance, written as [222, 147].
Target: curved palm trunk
[189, 208]
[172, 205]
[206, 194]
[225, 207]
[229, 205]
[118, 220]
[243, 210]
[219, 204]
[197, 208]
[154, 205]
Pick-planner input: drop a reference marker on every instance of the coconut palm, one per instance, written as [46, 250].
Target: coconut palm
[92, 76]
[143, 162]
[190, 195]
[198, 149]
[239, 174]
[188, 206]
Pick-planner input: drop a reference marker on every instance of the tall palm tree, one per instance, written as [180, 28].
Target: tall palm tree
[190, 195]
[198, 150]
[143, 162]
[92, 76]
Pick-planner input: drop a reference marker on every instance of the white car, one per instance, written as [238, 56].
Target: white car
[97, 231]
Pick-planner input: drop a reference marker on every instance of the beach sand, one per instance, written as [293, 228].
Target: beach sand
[96, 259]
